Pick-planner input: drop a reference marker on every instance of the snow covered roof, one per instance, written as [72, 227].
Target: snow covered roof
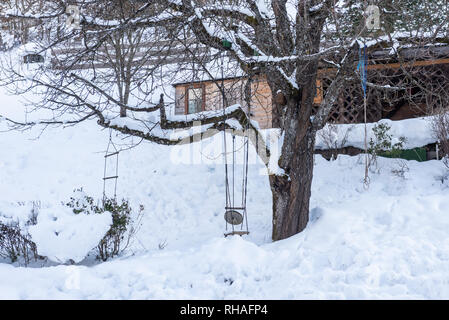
[30, 48]
[387, 55]
[421, 52]
[207, 80]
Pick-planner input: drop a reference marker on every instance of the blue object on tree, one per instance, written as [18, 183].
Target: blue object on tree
[362, 68]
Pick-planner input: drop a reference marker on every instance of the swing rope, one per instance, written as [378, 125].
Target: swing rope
[225, 154]
[245, 174]
[362, 68]
[232, 216]
[246, 152]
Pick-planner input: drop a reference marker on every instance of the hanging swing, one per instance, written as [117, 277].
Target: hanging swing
[235, 212]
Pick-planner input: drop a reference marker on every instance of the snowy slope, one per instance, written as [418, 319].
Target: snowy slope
[417, 132]
[390, 241]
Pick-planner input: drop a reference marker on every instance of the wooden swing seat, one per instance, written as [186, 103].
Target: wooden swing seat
[238, 233]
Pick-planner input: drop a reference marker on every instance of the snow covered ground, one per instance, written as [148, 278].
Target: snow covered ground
[390, 241]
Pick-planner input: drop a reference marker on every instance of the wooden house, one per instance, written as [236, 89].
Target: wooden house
[399, 98]
[193, 97]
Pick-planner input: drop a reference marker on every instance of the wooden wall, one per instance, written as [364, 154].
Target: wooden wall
[261, 100]
[411, 101]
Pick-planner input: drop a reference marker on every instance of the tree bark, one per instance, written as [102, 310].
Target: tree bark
[291, 193]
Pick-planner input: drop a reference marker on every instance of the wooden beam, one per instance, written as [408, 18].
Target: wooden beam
[408, 64]
[395, 65]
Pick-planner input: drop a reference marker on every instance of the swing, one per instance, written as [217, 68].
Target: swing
[235, 215]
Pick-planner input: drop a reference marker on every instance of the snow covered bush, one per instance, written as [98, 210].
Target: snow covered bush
[400, 169]
[16, 244]
[80, 202]
[383, 144]
[122, 228]
[66, 232]
[65, 236]
[114, 241]
[330, 138]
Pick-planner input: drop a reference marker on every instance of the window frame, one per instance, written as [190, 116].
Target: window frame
[33, 58]
[203, 96]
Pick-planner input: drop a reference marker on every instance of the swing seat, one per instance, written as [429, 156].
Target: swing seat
[236, 233]
[233, 217]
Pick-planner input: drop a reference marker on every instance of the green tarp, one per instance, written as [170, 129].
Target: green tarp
[418, 154]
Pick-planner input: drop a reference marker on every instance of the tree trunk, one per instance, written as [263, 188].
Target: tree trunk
[291, 194]
[122, 112]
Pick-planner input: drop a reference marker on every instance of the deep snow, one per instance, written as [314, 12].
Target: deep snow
[390, 241]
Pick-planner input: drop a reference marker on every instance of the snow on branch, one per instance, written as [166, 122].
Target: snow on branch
[194, 128]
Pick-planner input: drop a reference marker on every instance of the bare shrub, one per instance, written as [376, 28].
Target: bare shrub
[400, 169]
[123, 228]
[330, 138]
[439, 124]
[162, 245]
[16, 244]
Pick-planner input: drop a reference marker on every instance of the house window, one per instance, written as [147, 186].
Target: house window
[33, 58]
[194, 100]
